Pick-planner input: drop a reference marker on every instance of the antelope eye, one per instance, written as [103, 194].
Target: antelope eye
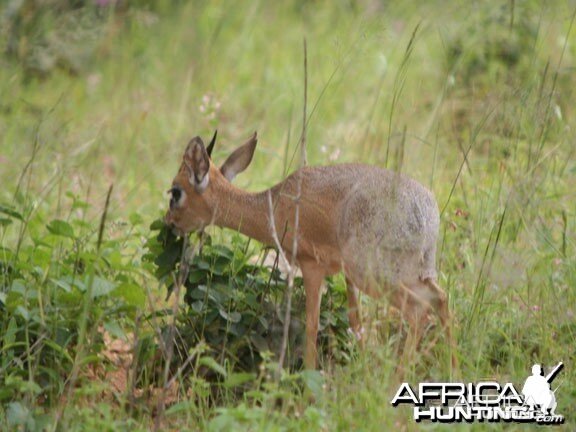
[177, 196]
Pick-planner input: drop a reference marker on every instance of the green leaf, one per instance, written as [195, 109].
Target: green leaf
[61, 228]
[223, 251]
[135, 219]
[264, 322]
[212, 364]
[180, 407]
[90, 359]
[157, 225]
[236, 379]
[197, 306]
[196, 276]
[23, 312]
[30, 387]
[10, 335]
[62, 284]
[17, 414]
[5, 221]
[101, 287]
[76, 202]
[59, 350]
[10, 212]
[233, 317]
[167, 260]
[115, 330]
[314, 382]
[132, 294]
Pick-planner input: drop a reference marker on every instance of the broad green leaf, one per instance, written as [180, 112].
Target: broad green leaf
[30, 387]
[62, 284]
[157, 225]
[212, 364]
[314, 382]
[115, 330]
[223, 251]
[233, 317]
[197, 306]
[195, 276]
[23, 312]
[132, 294]
[61, 228]
[236, 379]
[101, 287]
[18, 287]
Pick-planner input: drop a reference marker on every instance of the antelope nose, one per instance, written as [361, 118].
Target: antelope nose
[172, 227]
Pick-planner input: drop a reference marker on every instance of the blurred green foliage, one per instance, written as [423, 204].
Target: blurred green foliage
[497, 41]
[44, 35]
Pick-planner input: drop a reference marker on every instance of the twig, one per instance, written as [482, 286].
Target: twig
[291, 273]
[281, 253]
[292, 265]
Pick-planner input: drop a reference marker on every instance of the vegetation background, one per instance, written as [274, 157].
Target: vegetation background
[475, 99]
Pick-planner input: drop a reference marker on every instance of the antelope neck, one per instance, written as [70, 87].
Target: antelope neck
[243, 211]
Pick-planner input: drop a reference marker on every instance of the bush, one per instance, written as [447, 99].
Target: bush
[238, 307]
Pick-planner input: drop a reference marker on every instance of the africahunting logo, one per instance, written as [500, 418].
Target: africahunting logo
[485, 400]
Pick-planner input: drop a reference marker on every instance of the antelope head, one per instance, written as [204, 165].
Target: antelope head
[199, 185]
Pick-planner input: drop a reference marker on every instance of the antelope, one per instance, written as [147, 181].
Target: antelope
[376, 226]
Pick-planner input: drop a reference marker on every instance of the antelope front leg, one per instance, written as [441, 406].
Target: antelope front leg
[313, 277]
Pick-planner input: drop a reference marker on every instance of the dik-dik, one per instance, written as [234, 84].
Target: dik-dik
[378, 227]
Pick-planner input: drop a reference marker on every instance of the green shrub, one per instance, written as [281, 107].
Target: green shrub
[237, 307]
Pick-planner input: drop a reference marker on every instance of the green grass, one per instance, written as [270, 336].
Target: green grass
[473, 100]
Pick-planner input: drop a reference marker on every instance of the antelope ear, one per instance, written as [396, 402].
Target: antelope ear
[197, 161]
[239, 160]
